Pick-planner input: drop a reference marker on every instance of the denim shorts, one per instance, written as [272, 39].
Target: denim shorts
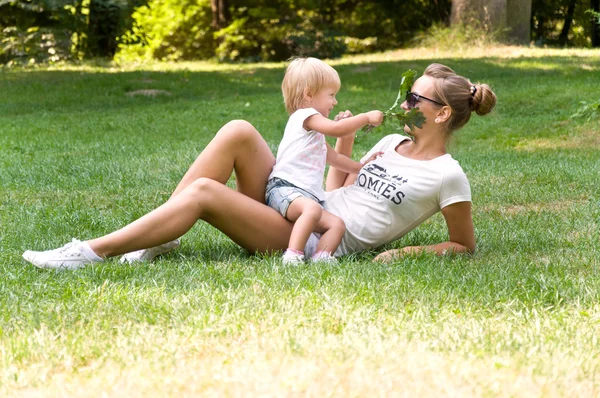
[281, 193]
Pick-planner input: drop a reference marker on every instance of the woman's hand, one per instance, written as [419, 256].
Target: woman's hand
[394, 254]
[460, 228]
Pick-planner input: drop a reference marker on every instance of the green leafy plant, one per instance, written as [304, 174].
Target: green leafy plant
[587, 111]
[595, 15]
[410, 118]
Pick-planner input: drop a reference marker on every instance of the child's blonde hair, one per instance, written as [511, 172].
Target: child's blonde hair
[306, 76]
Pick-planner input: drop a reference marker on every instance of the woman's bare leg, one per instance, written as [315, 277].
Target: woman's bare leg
[251, 224]
[202, 194]
[238, 147]
[338, 178]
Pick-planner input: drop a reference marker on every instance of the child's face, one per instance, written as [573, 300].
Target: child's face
[324, 100]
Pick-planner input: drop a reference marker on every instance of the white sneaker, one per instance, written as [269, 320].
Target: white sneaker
[71, 256]
[324, 257]
[149, 254]
[292, 258]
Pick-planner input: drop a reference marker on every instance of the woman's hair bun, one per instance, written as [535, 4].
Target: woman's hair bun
[484, 99]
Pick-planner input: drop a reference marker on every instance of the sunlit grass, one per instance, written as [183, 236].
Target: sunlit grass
[79, 158]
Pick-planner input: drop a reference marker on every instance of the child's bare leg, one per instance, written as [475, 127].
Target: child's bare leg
[332, 229]
[305, 213]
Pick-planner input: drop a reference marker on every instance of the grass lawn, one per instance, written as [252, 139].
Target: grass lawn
[81, 155]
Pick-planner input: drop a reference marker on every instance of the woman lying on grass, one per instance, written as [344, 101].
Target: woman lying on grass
[411, 181]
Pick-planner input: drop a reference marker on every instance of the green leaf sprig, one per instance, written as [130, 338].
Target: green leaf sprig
[411, 118]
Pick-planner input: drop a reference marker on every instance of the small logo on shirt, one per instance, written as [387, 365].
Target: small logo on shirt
[378, 183]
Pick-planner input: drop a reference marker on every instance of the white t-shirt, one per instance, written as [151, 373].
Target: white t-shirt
[302, 155]
[393, 194]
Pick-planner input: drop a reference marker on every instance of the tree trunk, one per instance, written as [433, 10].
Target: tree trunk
[220, 13]
[518, 19]
[103, 28]
[490, 14]
[564, 34]
[595, 4]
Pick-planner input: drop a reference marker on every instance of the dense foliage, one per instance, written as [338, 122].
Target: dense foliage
[50, 30]
[33, 31]
[550, 23]
[274, 30]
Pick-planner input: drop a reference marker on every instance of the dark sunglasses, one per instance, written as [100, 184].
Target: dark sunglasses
[412, 99]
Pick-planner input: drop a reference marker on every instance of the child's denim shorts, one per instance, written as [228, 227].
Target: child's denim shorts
[280, 194]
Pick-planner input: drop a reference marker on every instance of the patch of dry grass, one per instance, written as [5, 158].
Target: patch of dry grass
[589, 139]
[558, 207]
[444, 358]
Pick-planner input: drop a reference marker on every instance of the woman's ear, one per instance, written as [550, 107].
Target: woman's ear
[443, 114]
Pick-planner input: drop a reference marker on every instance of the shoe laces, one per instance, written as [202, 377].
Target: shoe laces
[66, 249]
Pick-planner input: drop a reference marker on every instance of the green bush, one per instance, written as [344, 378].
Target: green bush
[33, 45]
[587, 111]
[33, 32]
[547, 22]
[181, 29]
[361, 46]
[57, 30]
[595, 15]
[314, 38]
[169, 30]
[264, 34]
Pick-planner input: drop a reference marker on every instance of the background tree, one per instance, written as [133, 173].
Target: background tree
[564, 34]
[510, 19]
[220, 13]
[271, 30]
[559, 22]
[595, 30]
[490, 14]
[103, 27]
[53, 30]
[518, 20]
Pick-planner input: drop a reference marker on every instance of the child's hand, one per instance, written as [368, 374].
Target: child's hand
[342, 115]
[372, 158]
[375, 118]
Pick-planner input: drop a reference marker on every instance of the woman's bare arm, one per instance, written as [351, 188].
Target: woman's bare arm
[461, 235]
[342, 162]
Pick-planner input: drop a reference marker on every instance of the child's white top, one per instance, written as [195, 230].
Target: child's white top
[302, 155]
[393, 194]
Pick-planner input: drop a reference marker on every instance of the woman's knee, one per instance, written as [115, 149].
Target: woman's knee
[201, 191]
[239, 129]
[202, 185]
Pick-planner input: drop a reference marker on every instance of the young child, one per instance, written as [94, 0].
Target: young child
[295, 187]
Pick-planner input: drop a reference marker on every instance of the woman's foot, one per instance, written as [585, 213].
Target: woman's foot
[71, 256]
[149, 254]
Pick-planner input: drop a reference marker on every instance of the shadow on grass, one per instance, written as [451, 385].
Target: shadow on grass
[31, 92]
